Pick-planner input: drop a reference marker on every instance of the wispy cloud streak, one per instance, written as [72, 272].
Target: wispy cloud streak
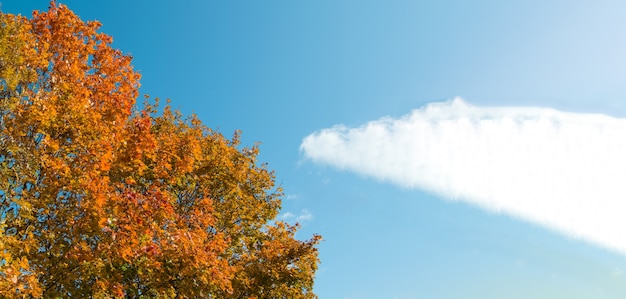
[566, 171]
[303, 216]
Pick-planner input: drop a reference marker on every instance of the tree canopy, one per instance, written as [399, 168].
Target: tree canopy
[100, 197]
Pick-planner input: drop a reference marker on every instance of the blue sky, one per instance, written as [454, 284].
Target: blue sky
[284, 70]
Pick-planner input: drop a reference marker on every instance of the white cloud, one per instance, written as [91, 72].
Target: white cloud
[566, 171]
[304, 215]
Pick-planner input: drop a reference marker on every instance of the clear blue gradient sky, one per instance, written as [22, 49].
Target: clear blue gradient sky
[280, 70]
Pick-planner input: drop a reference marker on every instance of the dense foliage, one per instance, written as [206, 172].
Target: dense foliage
[101, 199]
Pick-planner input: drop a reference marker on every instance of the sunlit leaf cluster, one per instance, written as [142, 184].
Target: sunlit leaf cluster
[100, 199]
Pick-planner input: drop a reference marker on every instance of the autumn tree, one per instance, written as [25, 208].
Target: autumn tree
[101, 199]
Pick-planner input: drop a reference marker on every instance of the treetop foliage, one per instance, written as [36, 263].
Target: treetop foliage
[101, 199]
